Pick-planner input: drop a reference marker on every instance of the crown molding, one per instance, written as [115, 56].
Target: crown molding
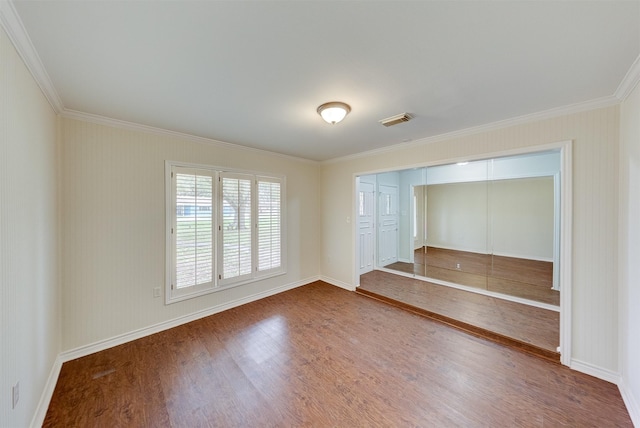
[131, 126]
[13, 26]
[630, 81]
[18, 35]
[493, 126]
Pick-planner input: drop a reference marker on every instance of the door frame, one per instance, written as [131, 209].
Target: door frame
[565, 233]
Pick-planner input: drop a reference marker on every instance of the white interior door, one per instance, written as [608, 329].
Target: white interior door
[388, 225]
[366, 227]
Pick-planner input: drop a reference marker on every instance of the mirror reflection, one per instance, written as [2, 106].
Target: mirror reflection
[490, 225]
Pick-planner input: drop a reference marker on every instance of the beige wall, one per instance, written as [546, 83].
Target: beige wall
[629, 237]
[521, 218]
[87, 205]
[114, 227]
[29, 287]
[512, 218]
[595, 207]
[457, 216]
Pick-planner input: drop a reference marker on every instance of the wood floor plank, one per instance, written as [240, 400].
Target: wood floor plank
[527, 324]
[322, 356]
[527, 279]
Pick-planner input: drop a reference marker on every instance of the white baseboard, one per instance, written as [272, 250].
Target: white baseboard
[165, 325]
[595, 371]
[524, 257]
[630, 401]
[466, 250]
[337, 283]
[474, 290]
[47, 393]
[499, 254]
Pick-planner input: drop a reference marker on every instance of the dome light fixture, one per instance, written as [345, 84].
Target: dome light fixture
[334, 111]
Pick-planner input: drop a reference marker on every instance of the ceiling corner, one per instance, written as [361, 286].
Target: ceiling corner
[12, 25]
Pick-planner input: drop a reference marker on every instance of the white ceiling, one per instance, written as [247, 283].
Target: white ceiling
[253, 73]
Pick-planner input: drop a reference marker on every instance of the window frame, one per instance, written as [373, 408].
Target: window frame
[265, 273]
[172, 294]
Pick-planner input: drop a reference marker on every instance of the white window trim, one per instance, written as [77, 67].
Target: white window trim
[171, 295]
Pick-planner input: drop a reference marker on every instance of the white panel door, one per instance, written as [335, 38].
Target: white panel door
[388, 225]
[366, 227]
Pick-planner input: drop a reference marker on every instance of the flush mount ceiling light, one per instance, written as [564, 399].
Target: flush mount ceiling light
[333, 112]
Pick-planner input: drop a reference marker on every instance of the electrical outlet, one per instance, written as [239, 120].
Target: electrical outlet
[457, 265]
[156, 292]
[15, 394]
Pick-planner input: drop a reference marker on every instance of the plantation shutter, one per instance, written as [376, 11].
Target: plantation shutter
[269, 224]
[193, 227]
[223, 229]
[236, 228]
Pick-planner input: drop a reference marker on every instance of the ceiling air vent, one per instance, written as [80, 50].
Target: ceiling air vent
[394, 120]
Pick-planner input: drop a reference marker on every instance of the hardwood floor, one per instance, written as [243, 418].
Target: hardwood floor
[528, 279]
[322, 356]
[528, 328]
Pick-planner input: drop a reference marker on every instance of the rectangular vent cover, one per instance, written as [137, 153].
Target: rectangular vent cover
[394, 120]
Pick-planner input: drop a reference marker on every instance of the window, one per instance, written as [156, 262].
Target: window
[192, 231]
[237, 216]
[269, 224]
[237, 231]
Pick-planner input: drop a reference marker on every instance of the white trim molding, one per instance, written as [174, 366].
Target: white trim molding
[132, 126]
[566, 250]
[595, 104]
[474, 290]
[13, 26]
[47, 394]
[595, 371]
[101, 345]
[629, 400]
[337, 283]
[630, 81]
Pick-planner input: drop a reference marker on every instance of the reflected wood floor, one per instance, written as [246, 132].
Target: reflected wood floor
[322, 356]
[528, 279]
[524, 323]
